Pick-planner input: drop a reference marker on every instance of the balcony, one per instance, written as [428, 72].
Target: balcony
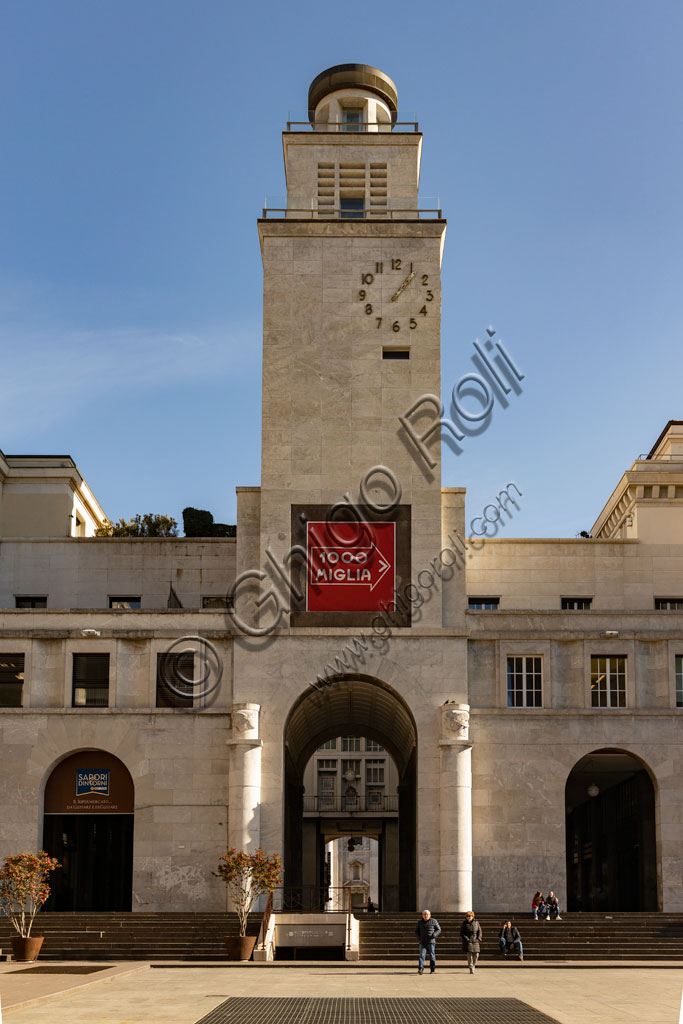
[394, 127]
[283, 208]
[366, 803]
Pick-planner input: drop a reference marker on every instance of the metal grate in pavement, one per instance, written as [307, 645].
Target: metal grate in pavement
[52, 969]
[374, 1011]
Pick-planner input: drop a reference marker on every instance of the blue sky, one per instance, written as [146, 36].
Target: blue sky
[140, 138]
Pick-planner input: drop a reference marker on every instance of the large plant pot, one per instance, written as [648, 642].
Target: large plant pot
[240, 947]
[26, 949]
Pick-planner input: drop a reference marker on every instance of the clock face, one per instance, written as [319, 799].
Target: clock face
[395, 295]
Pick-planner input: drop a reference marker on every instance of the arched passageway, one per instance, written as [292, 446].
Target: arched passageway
[364, 707]
[610, 831]
[88, 827]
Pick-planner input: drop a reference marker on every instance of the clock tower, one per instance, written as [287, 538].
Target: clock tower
[351, 325]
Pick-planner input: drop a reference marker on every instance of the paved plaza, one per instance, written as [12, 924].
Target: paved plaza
[141, 994]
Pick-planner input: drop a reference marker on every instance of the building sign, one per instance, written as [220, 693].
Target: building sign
[351, 566]
[92, 782]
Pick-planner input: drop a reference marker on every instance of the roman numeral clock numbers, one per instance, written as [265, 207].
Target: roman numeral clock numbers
[396, 294]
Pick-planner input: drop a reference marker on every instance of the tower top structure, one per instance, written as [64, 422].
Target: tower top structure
[352, 87]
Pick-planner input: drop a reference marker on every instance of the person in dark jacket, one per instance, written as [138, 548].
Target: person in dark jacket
[470, 933]
[427, 930]
[510, 941]
[552, 906]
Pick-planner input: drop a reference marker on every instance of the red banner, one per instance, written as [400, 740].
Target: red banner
[351, 566]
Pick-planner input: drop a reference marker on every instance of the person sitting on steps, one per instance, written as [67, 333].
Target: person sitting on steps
[538, 905]
[552, 906]
[510, 940]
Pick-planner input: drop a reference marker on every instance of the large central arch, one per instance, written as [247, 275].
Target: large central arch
[351, 705]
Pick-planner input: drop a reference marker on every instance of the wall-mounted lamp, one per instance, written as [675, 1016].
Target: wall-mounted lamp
[593, 790]
[611, 633]
[90, 632]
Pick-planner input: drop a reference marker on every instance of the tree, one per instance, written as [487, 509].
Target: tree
[149, 525]
[247, 876]
[24, 887]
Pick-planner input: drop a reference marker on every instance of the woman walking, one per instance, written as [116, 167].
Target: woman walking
[470, 933]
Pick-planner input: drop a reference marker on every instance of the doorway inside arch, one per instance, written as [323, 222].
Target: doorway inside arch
[350, 767]
[610, 833]
[88, 827]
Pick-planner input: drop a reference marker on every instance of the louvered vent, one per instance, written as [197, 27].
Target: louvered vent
[326, 187]
[378, 187]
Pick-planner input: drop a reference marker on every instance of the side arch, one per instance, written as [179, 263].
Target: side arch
[610, 814]
[88, 822]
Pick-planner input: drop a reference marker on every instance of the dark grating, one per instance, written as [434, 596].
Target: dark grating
[52, 969]
[374, 1011]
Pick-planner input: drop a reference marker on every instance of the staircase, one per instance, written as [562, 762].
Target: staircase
[383, 937]
[575, 937]
[143, 936]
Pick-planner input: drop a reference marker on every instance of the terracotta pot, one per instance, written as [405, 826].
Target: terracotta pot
[26, 949]
[240, 947]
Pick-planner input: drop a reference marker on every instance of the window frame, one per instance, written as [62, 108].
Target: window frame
[483, 604]
[90, 684]
[30, 597]
[678, 680]
[608, 673]
[22, 682]
[355, 749]
[575, 600]
[174, 702]
[525, 690]
[662, 602]
[123, 599]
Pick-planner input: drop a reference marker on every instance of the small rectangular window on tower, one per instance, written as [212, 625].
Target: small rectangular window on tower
[483, 604]
[395, 353]
[351, 209]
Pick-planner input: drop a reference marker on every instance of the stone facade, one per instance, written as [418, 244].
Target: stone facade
[511, 663]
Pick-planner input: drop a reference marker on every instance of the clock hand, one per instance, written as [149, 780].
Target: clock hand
[404, 285]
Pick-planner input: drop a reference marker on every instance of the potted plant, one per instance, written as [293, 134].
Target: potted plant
[247, 876]
[23, 890]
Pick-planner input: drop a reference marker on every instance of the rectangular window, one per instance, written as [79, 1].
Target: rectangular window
[328, 745]
[215, 601]
[372, 746]
[124, 603]
[374, 799]
[30, 602]
[669, 604]
[608, 681]
[90, 681]
[351, 209]
[349, 767]
[327, 764]
[352, 120]
[175, 676]
[326, 787]
[374, 771]
[576, 604]
[484, 604]
[525, 682]
[679, 680]
[395, 353]
[350, 743]
[11, 680]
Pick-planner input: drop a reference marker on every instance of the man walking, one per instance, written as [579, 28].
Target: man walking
[427, 930]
